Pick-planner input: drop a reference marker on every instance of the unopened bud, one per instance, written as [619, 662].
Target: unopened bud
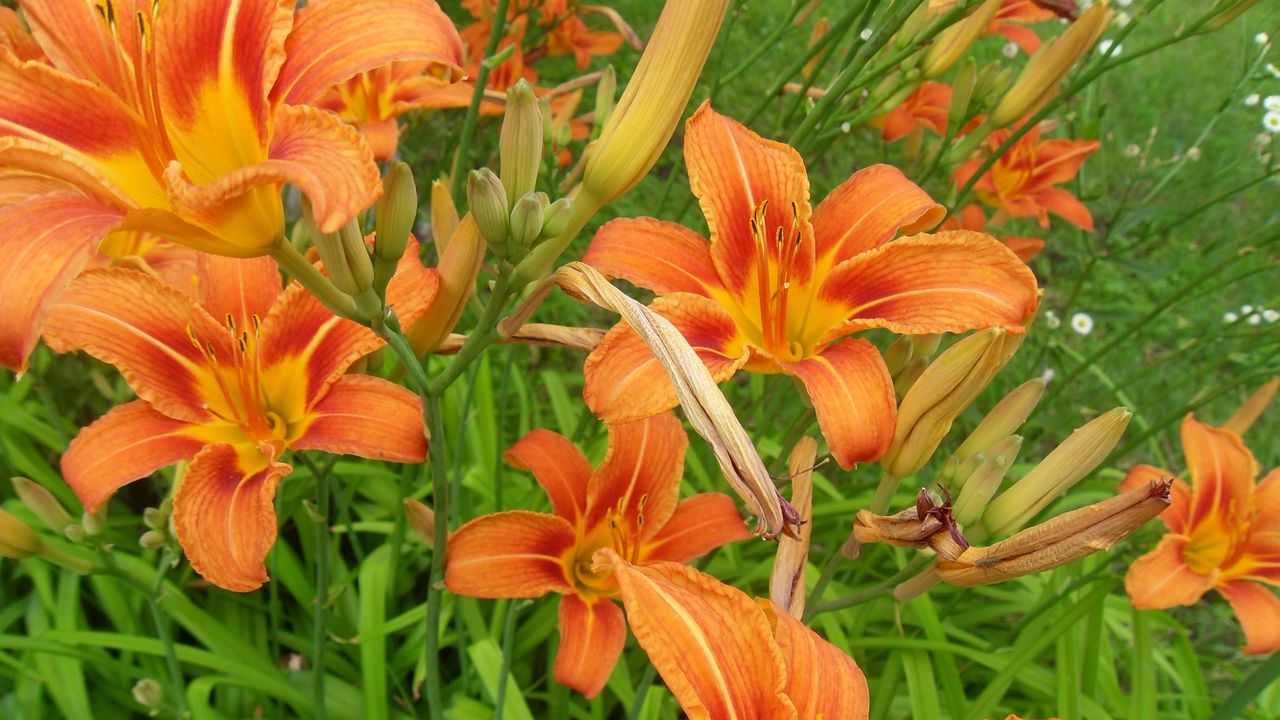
[556, 219]
[924, 346]
[154, 519]
[526, 219]
[75, 533]
[962, 90]
[94, 523]
[393, 222]
[898, 355]
[1252, 409]
[444, 216]
[148, 693]
[42, 504]
[152, 540]
[979, 486]
[17, 539]
[344, 268]
[1068, 464]
[422, 520]
[520, 144]
[905, 380]
[953, 42]
[606, 93]
[488, 201]
[1004, 419]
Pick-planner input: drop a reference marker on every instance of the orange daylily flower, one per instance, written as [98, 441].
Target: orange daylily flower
[724, 655]
[629, 504]
[779, 286]
[1224, 534]
[568, 34]
[1013, 17]
[926, 108]
[1021, 183]
[972, 218]
[183, 119]
[229, 382]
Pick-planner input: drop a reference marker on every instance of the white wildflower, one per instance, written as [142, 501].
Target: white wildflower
[1254, 319]
[1047, 375]
[1010, 50]
[1193, 154]
[846, 127]
[1252, 99]
[1271, 315]
[1082, 323]
[1104, 47]
[1123, 19]
[1271, 121]
[1272, 102]
[865, 34]
[1051, 320]
[1261, 38]
[1132, 150]
[1273, 69]
[1246, 309]
[1229, 317]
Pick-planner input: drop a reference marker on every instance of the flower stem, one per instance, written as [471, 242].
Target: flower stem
[322, 587]
[297, 265]
[162, 632]
[440, 500]
[462, 158]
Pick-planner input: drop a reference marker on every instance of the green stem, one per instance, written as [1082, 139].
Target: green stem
[642, 689]
[879, 590]
[462, 158]
[440, 499]
[318, 637]
[884, 493]
[504, 671]
[485, 335]
[297, 265]
[166, 637]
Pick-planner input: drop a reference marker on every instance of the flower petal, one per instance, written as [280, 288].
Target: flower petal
[1160, 579]
[822, 681]
[947, 282]
[699, 525]
[1066, 206]
[510, 554]
[591, 640]
[714, 667]
[1266, 499]
[1222, 473]
[413, 289]
[852, 394]
[1026, 248]
[240, 288]
[1259, 611]
[1174, 518]
[732, 171]
[128, 443]
[226, 518]
[369, 417]
[654, 254]
[15, 37]
[640, 475]
[145, 328]
[625, 382]
[336, 39]
[868, 210]
[559, 467]
[44, 243]
[76, 41]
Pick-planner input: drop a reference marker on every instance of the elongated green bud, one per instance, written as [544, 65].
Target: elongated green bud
[1004, 419]
[606, 92]
[17, 539]
[984, 482]
[520, 144]
[526, 219]
[355, 253]
[42, 504]
[488, 201]
[556, 217]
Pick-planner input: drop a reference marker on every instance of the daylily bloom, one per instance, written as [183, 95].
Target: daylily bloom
[779, 285]
[926, 108]
[568, 34]
[724, 655]
[1224, 534]
[1021, 183]
[629, 504]
[230, 383]
[972, 218]
[1013, 17]
[184, 119]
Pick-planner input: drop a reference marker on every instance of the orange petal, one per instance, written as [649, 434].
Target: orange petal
[591, 640]
[1160, 579]
[413, 289]
[1066, 206]
[226, 519]
[947, 282]
[134, 321]
[1026, 248]
[869, 209]
[732, 171]
[822, 681]
[1174, 518]
[79, 43]
[1266, 499]
[1259, 611]
[1222, 473]
[128, 443]
[625, 382]
[369, 417]
[715, 668]
[654, 254]
[1058, 161]
[336, 39]
[852, 394]
[239, 288]
[699, 525]
[640, 475]
[510, 554]
[560, 468]
[1024, 37]
[15, 37]
[44, 243]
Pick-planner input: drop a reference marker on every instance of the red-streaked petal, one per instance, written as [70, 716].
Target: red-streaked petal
[699, 525]
[510, 554]
[711, 644]
[732, 171]
[1066, 206]
[1024, 37]
[75, 40]
[15, 37]
[128, 443]
[1160, 579]
[44, 243]
[852, 394]
[134, 321]
[1222, 474]
[560, 468]
[1058, 161]
[413, 289]
[591, 640]
[951, 281]
[869, 209]
[369, 417]
[1266, 499]
[640, 475]
[654, 254]
[822, 681]
[241, 288]
[1258, 609]
[226, 518]
[1175, 517]
[336, 39]
[625, 382]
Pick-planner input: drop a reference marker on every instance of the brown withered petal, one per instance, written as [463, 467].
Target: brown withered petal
[1056, 542]
[926, 524]
[786, 585]
[543, 334]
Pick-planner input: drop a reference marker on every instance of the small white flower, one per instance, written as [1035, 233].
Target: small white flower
[1193, 154]
[1229, 317]
[1261, 38]
[1254, 319]
[1082, 323]
[1271, 121]
[1132, 150]
[1124, 3]
[1047, 375]
[1272, 102]
[1273, 69]
[1252, 99]
[1271, 315]
[865, 34]
[1104, 47]
[1051, 320]
[1246, 309]
[1123, 19]
[1010, 50]
[846, 127]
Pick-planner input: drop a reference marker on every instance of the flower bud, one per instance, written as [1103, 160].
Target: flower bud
[962, 91]
[898, 355]
[422, 520]
[1252, 409]
[148, 693]
[556, 218]
[152, 540]
[458, 269]
[393, 222]
[1069, 463]
[355, 254]
[520, 144]
[17, 539]
[1038, 83]
[982, 484]
[1004, 419]
[153, 518]
[952, 43]
[606, 93]
[905, 380]
[75, 533]
[444, 216]
[526, 220]
[489, 208]
[94, 523]
[350, 272]
[42, 504]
